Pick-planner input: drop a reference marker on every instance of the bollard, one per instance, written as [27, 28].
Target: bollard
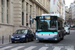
[2, 39]
[9, 38]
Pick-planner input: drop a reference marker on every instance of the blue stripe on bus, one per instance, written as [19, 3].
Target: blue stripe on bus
[47, 32]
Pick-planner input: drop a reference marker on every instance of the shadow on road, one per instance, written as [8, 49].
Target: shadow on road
[47, 41]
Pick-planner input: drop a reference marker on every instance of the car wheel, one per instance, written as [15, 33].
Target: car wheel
[40, 40]
[69, 32]
[26, 40]
[59, 38]
[13, 42]
[29, 40]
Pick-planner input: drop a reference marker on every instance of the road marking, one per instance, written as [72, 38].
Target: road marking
[17, 47]
[46, 45]
[5, 47]
[57, 47]
[30, 48]
[69, 47]
[65, 47]
[0, 46]
[43, 48]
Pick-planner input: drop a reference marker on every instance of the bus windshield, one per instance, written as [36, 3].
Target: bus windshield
[46, 25]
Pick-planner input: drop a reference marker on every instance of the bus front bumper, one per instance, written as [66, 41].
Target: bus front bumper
[55, 37]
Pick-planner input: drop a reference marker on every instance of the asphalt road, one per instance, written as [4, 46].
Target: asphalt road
[67, 44]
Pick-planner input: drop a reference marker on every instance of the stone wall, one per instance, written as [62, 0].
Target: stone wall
[6, 30]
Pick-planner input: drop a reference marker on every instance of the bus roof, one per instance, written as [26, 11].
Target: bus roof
[58, 15]
[51, 15]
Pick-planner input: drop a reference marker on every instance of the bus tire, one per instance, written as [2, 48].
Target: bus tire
[59, 37]
[13, 41]
[62, 37]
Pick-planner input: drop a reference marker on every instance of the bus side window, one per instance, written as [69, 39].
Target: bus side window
[59, 27]
[53, 24]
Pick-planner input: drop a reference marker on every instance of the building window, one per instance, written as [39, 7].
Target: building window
[22, 12]
[30, 9]
[2, 15]
[27, 19]
[2, 11]
[22, 18]
[7, 18]
[1, 2]
[7, 10]
[7, 3]
[27, 7]
[26, 14]
[30, 14]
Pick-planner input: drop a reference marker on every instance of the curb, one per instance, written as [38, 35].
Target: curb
[4, 44]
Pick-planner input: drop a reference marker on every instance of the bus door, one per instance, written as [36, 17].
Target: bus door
[60, 27]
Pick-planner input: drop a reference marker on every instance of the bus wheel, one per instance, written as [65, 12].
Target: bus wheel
[62, 37]
[13, 41]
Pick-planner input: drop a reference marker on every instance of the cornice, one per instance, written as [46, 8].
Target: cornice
[40, 5]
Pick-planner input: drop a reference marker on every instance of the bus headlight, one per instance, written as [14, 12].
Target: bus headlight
[56, 35]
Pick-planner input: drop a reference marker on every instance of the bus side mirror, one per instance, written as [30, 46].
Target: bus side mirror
[33, 20]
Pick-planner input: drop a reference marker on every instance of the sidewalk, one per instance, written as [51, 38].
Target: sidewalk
[6, 41]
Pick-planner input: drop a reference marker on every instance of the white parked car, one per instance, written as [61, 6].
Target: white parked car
[67, 30]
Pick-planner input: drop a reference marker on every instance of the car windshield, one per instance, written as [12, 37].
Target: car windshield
[21, 32]
[66, 28]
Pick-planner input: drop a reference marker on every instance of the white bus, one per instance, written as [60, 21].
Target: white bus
[49, 27]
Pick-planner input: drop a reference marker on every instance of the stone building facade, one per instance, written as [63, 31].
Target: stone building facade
[72, 12]
[6, 18]
[16, 14]
[58, 7]
[67, 14]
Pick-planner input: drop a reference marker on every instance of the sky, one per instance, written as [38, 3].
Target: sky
[68, 2]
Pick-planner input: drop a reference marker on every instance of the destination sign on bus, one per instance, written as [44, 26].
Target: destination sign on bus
[47, 18]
